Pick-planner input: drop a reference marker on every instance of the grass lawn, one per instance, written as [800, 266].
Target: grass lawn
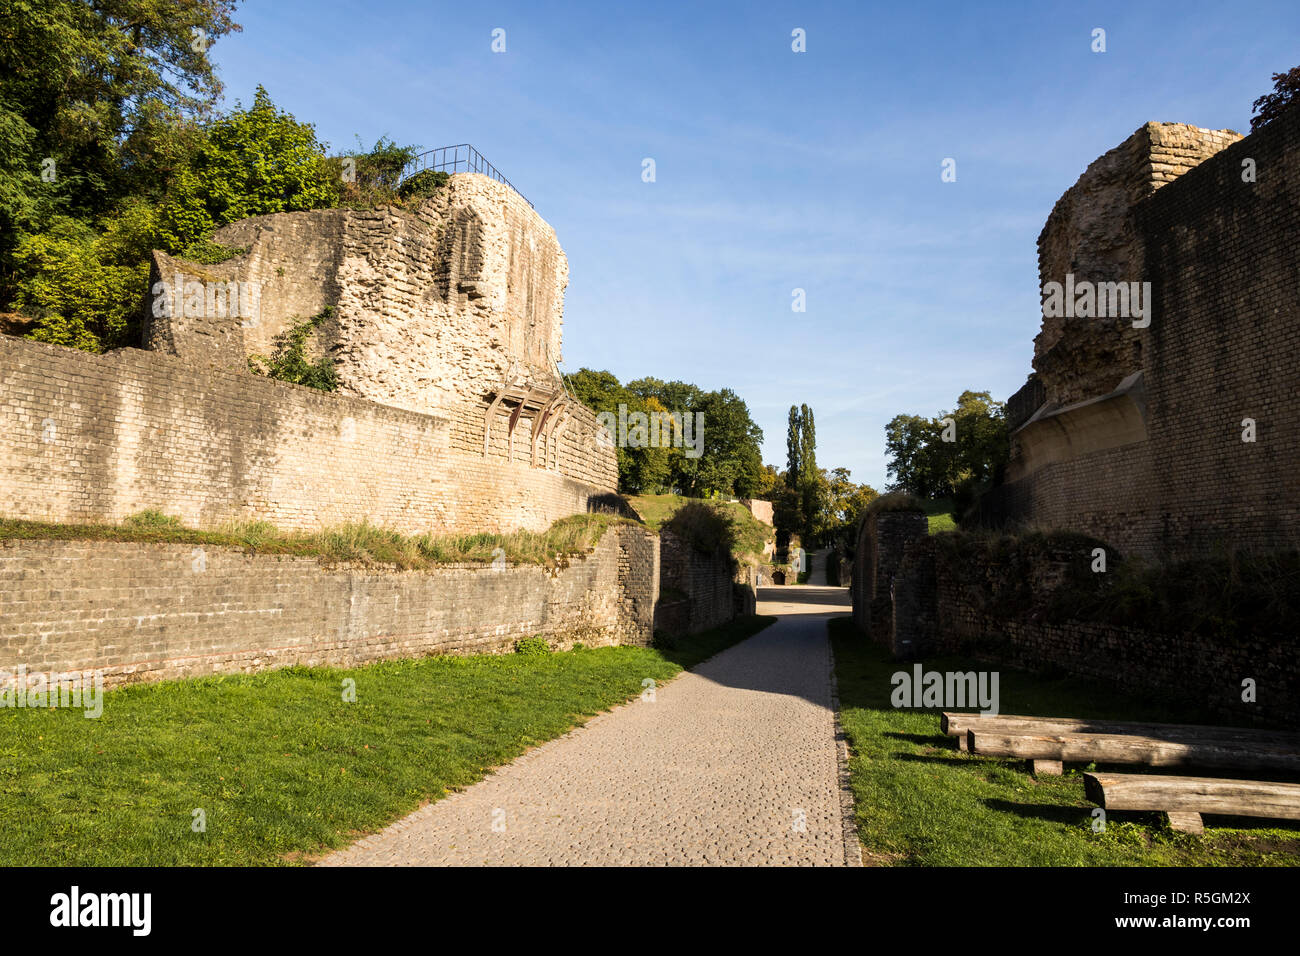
[921, 803]
[751, 534]
[939, 515]
[941, 522]
[284, 768]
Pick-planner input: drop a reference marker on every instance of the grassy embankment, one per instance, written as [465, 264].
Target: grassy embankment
[354, 542]
[747, 535]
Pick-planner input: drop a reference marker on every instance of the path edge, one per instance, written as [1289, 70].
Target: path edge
[852, 845]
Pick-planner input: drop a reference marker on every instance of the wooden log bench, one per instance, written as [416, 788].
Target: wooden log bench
[1184, 799]
[1178, 748]
[1049, 741]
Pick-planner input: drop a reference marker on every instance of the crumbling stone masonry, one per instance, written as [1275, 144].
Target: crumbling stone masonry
[1135, 435]
[938, 610]
[700, 590]
[451, 414]
[883, 540]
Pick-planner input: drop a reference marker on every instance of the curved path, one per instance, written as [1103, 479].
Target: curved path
[736, 763]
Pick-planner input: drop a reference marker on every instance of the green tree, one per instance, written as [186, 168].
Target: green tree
[85, 287]
[1285, 95]
[813, 487]
[770, 482]
[253, 162]
[641, 470]
[97, 103]
[923, 462]
[793, 447]
[846, 502]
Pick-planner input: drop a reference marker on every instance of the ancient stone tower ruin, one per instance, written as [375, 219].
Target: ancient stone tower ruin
[1134, 429]
[453, 308]
[444, 327]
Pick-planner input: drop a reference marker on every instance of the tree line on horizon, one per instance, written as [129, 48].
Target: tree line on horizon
[729, 461]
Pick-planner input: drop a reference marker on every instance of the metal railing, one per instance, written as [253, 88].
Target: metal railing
[462, 158]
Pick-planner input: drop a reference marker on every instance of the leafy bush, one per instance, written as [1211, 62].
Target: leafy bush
[86, 286]
[422, 185]
[896, 501]
[532, 646]
[1049, 574]
[1231, 596]
[705, 527]
[252, 162]
[289, 361]
[370, 177]
[209, 253]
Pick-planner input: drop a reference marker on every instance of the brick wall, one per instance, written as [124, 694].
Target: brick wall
[156, 611]
[698, 590]
[883, 539]
[1223, 257]
[92, 438]
[941, 610]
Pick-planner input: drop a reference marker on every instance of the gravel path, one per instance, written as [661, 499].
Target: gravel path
[734, 763]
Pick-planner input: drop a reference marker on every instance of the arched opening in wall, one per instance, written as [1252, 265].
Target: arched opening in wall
[778, 577]
[468, 252]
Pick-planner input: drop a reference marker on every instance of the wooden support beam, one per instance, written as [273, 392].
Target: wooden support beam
[1176, 748]
[958, 724]
[561, 424]
[1184, 821]
[488, 418]
[540, 431]
[1238, 798]
[1046, 768]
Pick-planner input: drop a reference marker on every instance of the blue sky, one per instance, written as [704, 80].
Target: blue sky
[778, 170]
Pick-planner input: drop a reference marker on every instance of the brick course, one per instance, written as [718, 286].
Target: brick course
[94, 438]
[154, 611]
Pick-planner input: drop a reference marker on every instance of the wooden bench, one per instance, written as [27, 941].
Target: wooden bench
[1184, 799]
[1049, 741]
[1179, 748]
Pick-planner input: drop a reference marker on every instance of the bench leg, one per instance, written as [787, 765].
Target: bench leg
[1184, 821]
[1045, 768]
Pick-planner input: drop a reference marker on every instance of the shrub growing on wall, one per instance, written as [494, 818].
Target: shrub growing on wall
[289, 362]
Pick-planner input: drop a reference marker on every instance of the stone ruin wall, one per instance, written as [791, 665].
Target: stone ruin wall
[881, 544]
[433, 309]
[1157, 467]
[96, 438]
[939, 612]
[145, 612]
[1091, 233]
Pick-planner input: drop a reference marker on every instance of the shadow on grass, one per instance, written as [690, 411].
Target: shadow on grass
[694, 649]
[1053, 813]
[932, 740]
